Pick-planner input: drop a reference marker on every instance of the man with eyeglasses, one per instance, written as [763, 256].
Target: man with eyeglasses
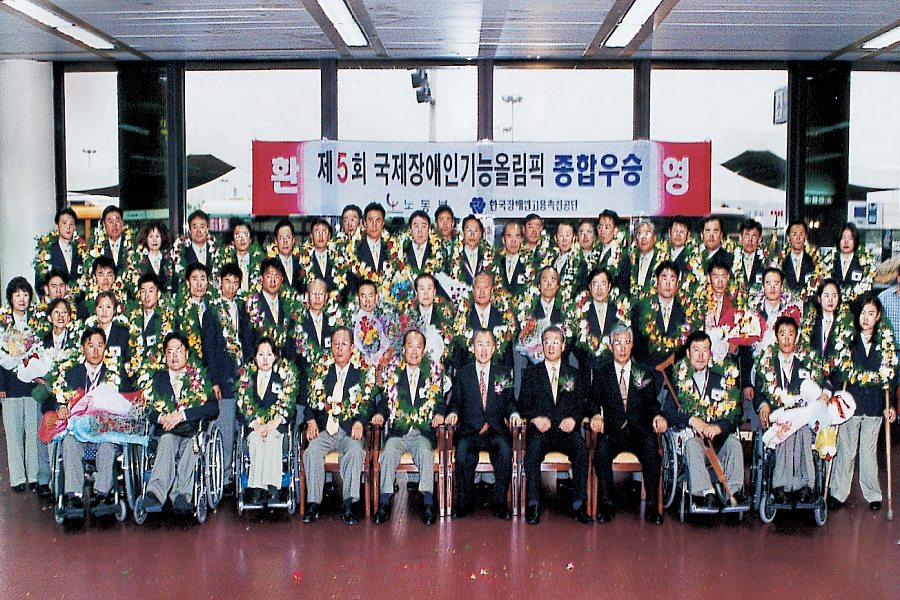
[644, 261]
[284, 245]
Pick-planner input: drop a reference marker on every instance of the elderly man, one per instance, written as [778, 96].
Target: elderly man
[115, 248]
[349, 390]
[645, 261]
[798, 265]
[553, 401]
[708, 403]
[416, 410]
[481, 406]
[627, 416]
[510, 268]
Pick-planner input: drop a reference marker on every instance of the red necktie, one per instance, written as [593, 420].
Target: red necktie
[483, 386]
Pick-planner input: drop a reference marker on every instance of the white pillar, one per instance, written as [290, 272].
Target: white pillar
[27, 172]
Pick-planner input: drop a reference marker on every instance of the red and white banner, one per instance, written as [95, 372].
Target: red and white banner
[503, 179]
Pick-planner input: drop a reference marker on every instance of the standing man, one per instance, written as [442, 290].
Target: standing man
[284, 246]
[613, 253]
[510, 269]
[798, 266]
[712, 241]
[553, 401]
[645, 260]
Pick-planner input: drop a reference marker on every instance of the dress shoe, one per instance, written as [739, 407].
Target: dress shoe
[228, 489]
[273, 494]
[533, 514]
[257, 496]
[580, 515]
[19, 488]
[428, 516]
[312, 513]
[805, 495]
[347, 515]
[778, 496]
[651, 516]
[875, 505]
[501, 511]
[383, 514]
[834, 503]
[709, 501]
[43, 491]
[462, 511]
[103, 504]
[97, 500]
[740, 497]
[32, 486]
[74, 503]
[606, 512]
[151, 501]
[181, 506]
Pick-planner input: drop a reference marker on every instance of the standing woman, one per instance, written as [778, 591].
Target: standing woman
[152, 254]
[118, 336]
[828, 322]
[854, 267]
[20, 411]
[266, 401]
[868, 364]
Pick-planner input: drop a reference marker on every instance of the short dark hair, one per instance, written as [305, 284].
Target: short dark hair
[407, 334]
[150, 277]
[785, 320]
[768, 270]
[718, 262]
[103, 262]
[531, 217]
[65, 211]
[366, 282]
[272, 263]
[352, 208]
[195, 266]
[107, 294]
[90, 332]
[231, 268]
[596, 272]
[265, 340]
[374, 206]
[748, 224]
[696, 336]
[861, 303]
[565, 224]
[482, 330]
[175, 335]
[233, 224]
[421, 276]
[17, 284]
[799, 222]
[322, 221]
[667, 264]
[283, 223]
[610, 214]
[146, 228]
[681, 220]
[817, 302]
[473, 218]
[198, 214]
[112, 208]
[56, 302]
[58, 273]
[444, 208]
[420, 213]
[710, 219]
[553, 329]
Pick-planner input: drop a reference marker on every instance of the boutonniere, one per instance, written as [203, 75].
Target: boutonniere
[422, 392]
[354, 391]
[803, 373]
[115, 351]
[639, 378]
[521, 279]
[568, 384]
[501, 384]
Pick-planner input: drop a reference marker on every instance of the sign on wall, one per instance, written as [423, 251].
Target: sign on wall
[504, 179]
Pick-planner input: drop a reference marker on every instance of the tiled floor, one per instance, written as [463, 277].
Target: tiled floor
[855, 555]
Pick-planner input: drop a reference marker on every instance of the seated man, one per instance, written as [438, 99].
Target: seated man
[794, 467]
[84, 377]
[708, 403]
[553, 401]
[349, 390]
[481, 404]
[179, 399]
[415, 401]
[627, 417]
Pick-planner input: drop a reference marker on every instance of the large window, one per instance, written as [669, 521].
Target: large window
[380, 105]
[225, 111]
[92, 142]
[733, 109]
[562, 105]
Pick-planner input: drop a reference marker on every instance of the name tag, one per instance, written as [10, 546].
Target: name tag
[759, 278]
[327, 342]
[115, 351]
[151, 339]
[353, 390]
[520, 279]
[716, 394]
[856, 276]
[276, 388]
[803, 373]
[421, 392]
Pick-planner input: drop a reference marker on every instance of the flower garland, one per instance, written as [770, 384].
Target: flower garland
[332, 314]
[98, 245]
[768, 365]
[569, 276]
[786, 301]
[657, 340]
[179, 254]
[842, 329]
[853, 374]
[7, 320]
[498, 268]
[718, 405]
[186, 316]
[350, 263]
[538, 255]
[141, 264]
[400, 408]
[854, 290]
[305, 255]
[436, 263]
[613, 262]
[153, 355]
[461, 333]
[661, 251]
[458, 259]
[528, 305]
[812, 281]
[56, 377]
[195, 390]
[287, 300]
[353, 402]
[584, 337]
[286, 392]
[42, 258]
[130, 367]
[693, 275]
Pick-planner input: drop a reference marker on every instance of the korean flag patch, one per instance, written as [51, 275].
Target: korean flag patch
[717, 394]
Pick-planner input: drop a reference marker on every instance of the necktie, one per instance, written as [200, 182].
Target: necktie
[92, 379]
[623, 388]
[748, 269]
[510, 269]
[245, 273]
[288, 268]
[67, 255]
[601, 318]
[337, 397]
[262, 382]
[797, 263]
[317, 321]
[155, 262]
[645, 263]
[483, 387]
[413, 384]
[845, 264]
[482, 316]
[554, 382]
[420, 251]
[176, 387]
[826, 330]
[666, 312]
[114, 250]
[201, 254]
[561, 262]
[322, 261]
[232, 312]
[376, 253]
[718, 311]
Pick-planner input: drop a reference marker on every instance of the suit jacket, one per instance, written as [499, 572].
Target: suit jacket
[798, 373]
[744, 279]
[723, 255]
[518, 279]
[855, 272]
[310, 329]
[807, 269]
[594, 322]
[536, 395]
[118, 344]
[606, 398]
[642, 352]
[58, 261]
[354, 377]
[623, 279]
[269, 398]
[465, 401]
[410, 255]
[124, 250]
[403, 391]
[467, 272]
[815, 338]
[221, 368]
[207, 411]
[495, 319]
[556, 315]
[283, 321]
[648, 281]
[364, 255]
[327, 276]
[70, 341]
[870, 400]
[680, 419]
[76, 379]
[681, 259]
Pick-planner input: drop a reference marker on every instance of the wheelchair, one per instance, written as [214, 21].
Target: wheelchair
[675, 479]
[208, 475]
[289, 495]
[762, 470]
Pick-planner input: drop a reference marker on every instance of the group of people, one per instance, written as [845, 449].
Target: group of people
[625, 333]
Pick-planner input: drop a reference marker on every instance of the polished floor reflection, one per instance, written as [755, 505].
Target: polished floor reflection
[263, 555]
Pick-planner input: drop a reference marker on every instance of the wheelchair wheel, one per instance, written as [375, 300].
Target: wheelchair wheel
[215, 464]
[681, 508]
[140, 513]
[821, 511]
[670, 470]
[201, 509]
[766, 512]
[59, 510]
[121, 509]
[134, 466]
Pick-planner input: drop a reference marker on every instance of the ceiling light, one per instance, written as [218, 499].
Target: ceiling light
[631, 23]
[888, 38]
[344, 22]
[60, 24]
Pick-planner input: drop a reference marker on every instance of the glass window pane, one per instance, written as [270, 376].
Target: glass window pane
[92, 139]
[226, 110]
[562, 105]
[734, 109]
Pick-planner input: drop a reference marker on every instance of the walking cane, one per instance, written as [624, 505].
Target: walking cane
[887, 450]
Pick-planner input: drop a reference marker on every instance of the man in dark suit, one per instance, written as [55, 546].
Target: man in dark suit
[669, 318]
[600, 317]
[201, 245]
[751, 266]
[64, 255]
[510, 269]
[481, 404]
[321, 258]
[176, 458]
[405, 433]
[115, 247]
[472, 256]
[371, 253]
[627, 417]
[103, 271]
[483, 314]
[613, 255]
[645, 260]
[798, 266]
[284, 244]
[711, 233]
[314, 324]
[553, 401]
[329, 432]
[679, 231]
[273, 318]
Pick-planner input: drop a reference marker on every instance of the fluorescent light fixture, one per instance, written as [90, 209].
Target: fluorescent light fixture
[888, 38]
[631, 23]
[344, 21]
[54, 21]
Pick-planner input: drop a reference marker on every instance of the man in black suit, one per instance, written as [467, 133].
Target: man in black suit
[679, 231]
[627, 417]
[669, 318]
[64, 254]
[711, 232]
[645, 260]
[600, 317]
[321, 258]
[372, 252]
[510, 269]
[749, 272]
[472, 257]
[553, 401]
[483, 314]
[481, 404]
[406, 433]
[613, 256]
[798, 266]
[201, 245]
[273, 319]
[172, 474]
[115, 248]
[284, 243]
[103, 271]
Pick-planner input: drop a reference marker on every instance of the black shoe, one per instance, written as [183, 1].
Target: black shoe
[97, 500]
[74, 503]
[651, 516]
[740, 497]
[258, 496]
[606, 512]
[580, 515]
[19, 488]
[43, 491]
[501, 511]
[105, 505]
[778, 496]
[834, 503]
[32, 486]
[151, 501]
[312, 513]
[875, 505]
[273, 494]
[805, 495]
[533, 514]
[228, 489]
[709, 501]
[383, 514]
[428, 517]
[464, 510]
[347, 515]
[181, 506]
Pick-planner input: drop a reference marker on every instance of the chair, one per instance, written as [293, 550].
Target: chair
[408, 466]
[484, 466]
[624, 462]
